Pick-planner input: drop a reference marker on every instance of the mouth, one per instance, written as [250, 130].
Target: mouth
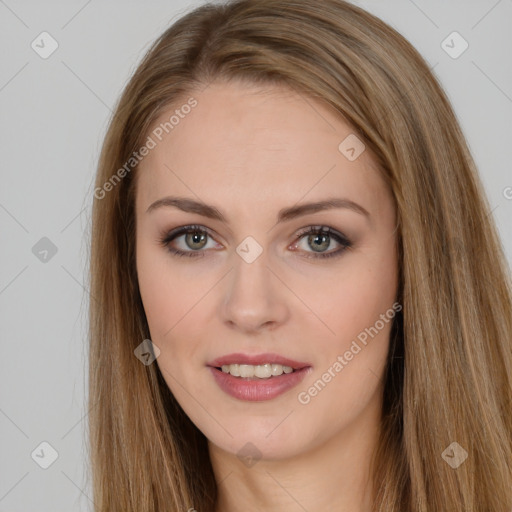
[257, 377]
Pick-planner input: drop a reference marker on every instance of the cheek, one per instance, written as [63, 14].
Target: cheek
[174, 300]
[352, 297]
[167, 293]
[359, 308]
[159, 303]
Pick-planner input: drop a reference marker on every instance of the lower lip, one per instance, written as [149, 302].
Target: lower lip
[255, 389]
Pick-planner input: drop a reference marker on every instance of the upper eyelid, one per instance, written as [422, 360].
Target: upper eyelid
[182, 230]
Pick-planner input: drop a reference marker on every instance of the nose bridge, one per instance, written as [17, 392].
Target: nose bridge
[252, 296]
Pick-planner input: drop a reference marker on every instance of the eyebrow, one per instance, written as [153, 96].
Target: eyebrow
[286, 214]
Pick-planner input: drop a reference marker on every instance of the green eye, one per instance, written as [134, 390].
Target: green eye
[319, 238]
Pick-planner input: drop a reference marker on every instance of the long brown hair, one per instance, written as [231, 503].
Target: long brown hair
[449, 372]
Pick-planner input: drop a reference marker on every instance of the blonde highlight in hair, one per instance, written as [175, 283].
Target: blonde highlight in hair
[449, 371]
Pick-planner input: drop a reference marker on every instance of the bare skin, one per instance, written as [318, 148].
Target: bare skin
[251, 152]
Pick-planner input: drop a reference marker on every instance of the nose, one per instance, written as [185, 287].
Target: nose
[254, 298]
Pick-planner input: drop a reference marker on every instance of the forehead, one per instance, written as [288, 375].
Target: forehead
[244, 142]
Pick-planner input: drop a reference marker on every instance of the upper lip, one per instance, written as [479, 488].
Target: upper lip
[256, 359]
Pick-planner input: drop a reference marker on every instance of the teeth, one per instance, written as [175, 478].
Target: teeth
[261, 371]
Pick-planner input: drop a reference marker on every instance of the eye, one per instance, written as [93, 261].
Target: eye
[195, 239]
[320, 239]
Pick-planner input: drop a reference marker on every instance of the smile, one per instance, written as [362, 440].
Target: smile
[257, 377]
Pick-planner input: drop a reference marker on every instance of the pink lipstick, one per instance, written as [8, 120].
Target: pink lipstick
[257, 377]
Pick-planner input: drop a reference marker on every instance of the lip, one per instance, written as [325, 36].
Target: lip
[254, 389]
[256, 359]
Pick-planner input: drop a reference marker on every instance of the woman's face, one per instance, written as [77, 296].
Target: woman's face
[253, 291]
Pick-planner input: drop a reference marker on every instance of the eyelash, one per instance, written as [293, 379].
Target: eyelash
[311, 230]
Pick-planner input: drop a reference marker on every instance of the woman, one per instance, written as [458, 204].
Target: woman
[300, 300]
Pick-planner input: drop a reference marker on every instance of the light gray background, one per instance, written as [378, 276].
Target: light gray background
[54, 115]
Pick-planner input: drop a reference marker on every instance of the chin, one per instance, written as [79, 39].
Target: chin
[268, 438]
